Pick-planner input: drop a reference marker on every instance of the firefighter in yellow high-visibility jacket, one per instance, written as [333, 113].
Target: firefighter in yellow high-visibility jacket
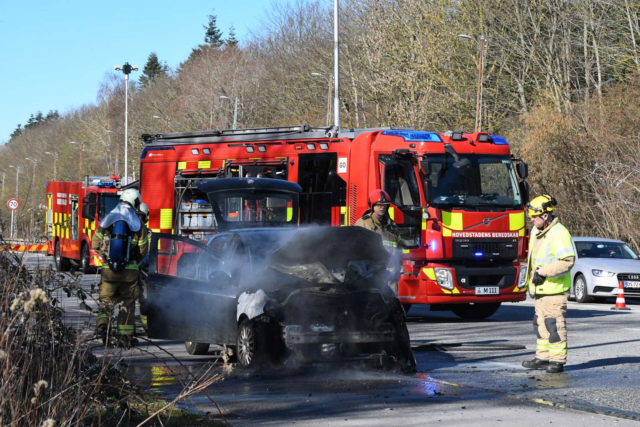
[120, 284]
[551, 257]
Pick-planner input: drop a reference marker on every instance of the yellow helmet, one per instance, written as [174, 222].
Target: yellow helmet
[541, 204]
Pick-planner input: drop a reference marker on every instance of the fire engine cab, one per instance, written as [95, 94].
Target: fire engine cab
[457, 198]
[74, 212]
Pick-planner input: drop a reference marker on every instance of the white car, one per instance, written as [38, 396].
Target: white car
[600, 265]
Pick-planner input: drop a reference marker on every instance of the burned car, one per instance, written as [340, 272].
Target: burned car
[278, 294]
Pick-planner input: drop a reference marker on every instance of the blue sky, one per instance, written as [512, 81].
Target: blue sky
[55, 53]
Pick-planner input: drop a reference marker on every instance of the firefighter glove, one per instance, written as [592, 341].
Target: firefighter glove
[538, 279]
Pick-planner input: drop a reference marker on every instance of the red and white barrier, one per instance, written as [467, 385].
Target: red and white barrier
[24, 248]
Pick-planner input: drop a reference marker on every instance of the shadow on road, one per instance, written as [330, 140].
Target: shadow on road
[599, 363]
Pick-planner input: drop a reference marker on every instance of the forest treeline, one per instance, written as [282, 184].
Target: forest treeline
[560, 82]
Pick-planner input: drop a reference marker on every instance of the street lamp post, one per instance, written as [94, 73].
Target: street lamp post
[330, 82]
[55, 162]
[81, 144]
[235, 111]
[166, 122]
[126, 70]
[478, 126]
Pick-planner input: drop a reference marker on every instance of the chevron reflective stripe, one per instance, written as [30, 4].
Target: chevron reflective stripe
[125, 329]
[558, 348]
[96, 261]
[543, 345]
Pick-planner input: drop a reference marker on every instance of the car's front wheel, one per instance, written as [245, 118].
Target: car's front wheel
[580, 289]
[250, 348]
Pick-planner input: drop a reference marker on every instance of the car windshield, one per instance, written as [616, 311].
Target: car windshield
[487, 180]
[597, 249]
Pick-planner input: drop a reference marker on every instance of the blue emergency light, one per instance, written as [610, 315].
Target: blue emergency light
[478, 254]
[498, 140]
[414, 136]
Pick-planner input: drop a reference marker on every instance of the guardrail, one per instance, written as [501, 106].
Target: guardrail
[24, 248]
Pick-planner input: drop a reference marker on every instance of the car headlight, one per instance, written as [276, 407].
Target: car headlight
[522, 278]
[444, 278]
[602, 273]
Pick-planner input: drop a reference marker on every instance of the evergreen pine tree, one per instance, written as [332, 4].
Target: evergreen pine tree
[232, 41]
[213, 35]
[152, 70]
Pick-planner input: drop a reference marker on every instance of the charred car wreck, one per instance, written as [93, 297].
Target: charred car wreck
[276, 294]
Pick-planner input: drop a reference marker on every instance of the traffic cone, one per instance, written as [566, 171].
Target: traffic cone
[620, 303]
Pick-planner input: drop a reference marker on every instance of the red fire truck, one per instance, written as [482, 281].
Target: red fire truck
[74, 211]
[457, 199]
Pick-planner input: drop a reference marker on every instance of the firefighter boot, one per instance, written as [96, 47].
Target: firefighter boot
[127, 342]
[101, 333]
[536, 364]
[555, 368]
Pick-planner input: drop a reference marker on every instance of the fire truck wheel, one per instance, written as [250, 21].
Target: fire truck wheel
[475, 311]
[62, 263]
[84, 259]
[196, 348]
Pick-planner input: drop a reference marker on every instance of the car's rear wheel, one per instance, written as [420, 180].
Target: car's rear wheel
[580, 289]
[196, 348]
[477, 311]
[250, 348]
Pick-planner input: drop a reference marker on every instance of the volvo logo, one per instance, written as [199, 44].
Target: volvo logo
[486, 221]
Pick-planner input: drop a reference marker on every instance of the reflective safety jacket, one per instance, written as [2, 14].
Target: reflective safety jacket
[388, 230]
[139, 249]
[551, 251]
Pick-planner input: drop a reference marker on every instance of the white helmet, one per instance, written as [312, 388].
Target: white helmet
[144, 210]
[131, 196]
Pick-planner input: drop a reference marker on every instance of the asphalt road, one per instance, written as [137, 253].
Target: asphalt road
[469, 373]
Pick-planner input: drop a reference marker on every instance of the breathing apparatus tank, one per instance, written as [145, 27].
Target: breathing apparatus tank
[119, 246]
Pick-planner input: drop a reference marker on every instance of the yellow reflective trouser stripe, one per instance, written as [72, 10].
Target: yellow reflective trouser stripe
[143, 241]
[125, 329]
[128, 267]
[543, 345]
[102, 316]
[143, 319]
[389, 243]
[558, 348]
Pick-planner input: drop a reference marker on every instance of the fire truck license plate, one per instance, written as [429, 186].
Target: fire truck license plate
[632, 285]
[488, 290]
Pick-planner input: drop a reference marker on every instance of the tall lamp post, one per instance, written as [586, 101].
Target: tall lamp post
[235, 111]
[478, 126]
[126, 70]
[166, 122]
[55, 162]
[81, 144]
[329, 79]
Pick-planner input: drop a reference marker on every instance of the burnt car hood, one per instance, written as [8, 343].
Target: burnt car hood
[328, 267]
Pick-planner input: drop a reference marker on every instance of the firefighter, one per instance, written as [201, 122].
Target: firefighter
[551, 256]
[377, 219]
[119, 283]
[143, 215]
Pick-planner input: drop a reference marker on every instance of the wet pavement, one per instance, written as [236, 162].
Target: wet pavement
[469, 372]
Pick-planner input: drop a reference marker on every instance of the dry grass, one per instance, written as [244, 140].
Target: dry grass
[50, 377]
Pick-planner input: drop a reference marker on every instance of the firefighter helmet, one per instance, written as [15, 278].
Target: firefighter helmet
[144, 210]
[540, 205]
[379, 197]
[132, 197]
